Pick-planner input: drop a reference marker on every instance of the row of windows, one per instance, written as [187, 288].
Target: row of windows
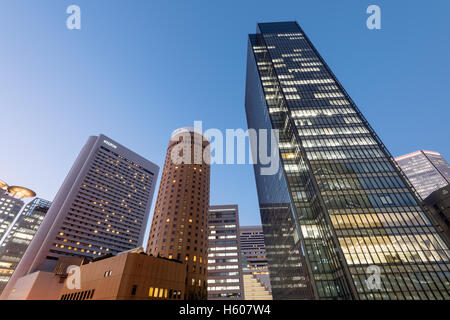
[162, 293]
[338, 168]
[220, 288]
[327, 121]
[393, 249]
[222, 260]
[367, 183]
[372, 220]
[345, 201]
[223, 254]
[366, 153]
[306, 113]
[336, 142]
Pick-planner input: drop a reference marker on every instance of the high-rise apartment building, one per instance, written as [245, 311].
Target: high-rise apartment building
[224, 254]
[102, 207]
[180, 218]
[426, 170]
[19, 236]
[255, 268]
[339, 209]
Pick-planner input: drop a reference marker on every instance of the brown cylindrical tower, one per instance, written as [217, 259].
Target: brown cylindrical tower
[179, 226]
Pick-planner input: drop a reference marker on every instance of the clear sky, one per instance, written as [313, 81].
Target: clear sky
[139, 69]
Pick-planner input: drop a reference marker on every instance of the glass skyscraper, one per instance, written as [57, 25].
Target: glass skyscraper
[426, 170]
[19, 237]
[338, 204]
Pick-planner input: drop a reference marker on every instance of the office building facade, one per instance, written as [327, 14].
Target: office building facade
[339, 209]
[426, 170]
[19, 237]
[255, 269]
[180, 218]
[102, 207]
[225, 279]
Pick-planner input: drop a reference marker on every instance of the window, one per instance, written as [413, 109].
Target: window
[133, 290]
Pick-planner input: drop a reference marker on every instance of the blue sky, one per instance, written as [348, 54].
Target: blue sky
[139, 69]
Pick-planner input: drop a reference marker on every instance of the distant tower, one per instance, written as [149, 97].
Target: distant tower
[256, 273]
[10, 205]
[102, 207]
[19, 236]
[181, 213]
[426, 170]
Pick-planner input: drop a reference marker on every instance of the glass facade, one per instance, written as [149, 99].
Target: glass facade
[10, 207]
[19, 237]
[339, 203]
[426, 170]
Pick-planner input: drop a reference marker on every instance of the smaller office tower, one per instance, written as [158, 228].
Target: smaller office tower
[10, 205]
[181, 211]
[426, 170]
[255, 269]
[224, 254]
[19, 237]
[102, 207]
